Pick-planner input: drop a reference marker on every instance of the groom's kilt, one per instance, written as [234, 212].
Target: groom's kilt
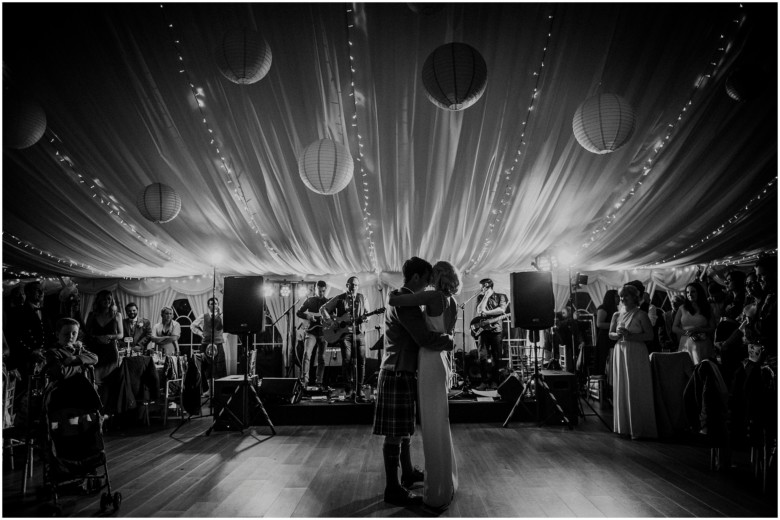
[394, 414]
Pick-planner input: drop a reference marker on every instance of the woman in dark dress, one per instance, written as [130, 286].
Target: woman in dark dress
[103, 332]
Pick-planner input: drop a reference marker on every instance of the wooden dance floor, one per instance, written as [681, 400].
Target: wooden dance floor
[525, 470]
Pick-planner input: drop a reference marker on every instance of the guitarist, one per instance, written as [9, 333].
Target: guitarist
[310, 311]
[490, 304]
[353, 346]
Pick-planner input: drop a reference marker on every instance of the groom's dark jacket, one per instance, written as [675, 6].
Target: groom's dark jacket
[405, 331]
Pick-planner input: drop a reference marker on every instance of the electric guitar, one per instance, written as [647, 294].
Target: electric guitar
[480, 325]
[333, 331]
[311, 324]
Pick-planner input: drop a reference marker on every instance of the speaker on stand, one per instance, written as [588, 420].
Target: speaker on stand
[533, 308]
[244, 314]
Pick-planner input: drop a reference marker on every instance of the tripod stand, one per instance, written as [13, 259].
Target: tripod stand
[243, 389]
[538, 383]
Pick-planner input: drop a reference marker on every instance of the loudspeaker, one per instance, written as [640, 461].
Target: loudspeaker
[532, 300]
[563, 385]
[224, 388]
[285, 390]
[243, 306]
[511, 388]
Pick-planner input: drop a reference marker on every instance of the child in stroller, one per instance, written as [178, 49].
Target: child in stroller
[73, 449]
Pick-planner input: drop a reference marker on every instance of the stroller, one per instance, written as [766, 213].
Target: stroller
[73, 448]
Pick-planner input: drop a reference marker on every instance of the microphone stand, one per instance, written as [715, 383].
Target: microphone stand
[213, 357]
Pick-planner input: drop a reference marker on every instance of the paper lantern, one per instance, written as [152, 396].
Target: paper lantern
[159, 203]
[745, 84]
[454, 76]
[24, 122]
[603, 123]
[243, 56]
[326, 167]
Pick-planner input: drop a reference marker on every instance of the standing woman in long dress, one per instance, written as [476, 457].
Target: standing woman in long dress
[695, 324]
[634, 410]
[104, 330]
[433, 383]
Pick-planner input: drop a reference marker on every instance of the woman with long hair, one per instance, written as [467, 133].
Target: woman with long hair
[103, 331]
[695, 324]
[632, 395]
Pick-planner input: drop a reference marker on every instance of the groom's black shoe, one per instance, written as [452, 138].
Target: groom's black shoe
[416, 476]
[401, 496]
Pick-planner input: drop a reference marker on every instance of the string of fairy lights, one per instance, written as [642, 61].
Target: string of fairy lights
[216, 144]
[367, 226]
[724, 45]
[738, 215]
[101, 196]
[24, 244]
[503, 203]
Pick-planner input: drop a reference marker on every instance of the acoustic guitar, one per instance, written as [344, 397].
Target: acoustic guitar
[342, 325]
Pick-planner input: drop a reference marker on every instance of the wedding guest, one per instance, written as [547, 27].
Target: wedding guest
[634, 410]
[68, 356]
[166, 333]
[694, 324]
[139, 330]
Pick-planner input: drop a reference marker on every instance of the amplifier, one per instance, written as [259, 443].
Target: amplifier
[563, 386]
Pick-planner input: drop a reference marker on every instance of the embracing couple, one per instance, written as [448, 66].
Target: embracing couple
[415, 369]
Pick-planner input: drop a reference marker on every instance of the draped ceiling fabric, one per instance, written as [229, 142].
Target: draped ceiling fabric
[132, 96]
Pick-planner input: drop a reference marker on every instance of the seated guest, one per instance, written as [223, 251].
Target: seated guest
[632, 395]
[137, 329]
[67, 357]
[166, 333]
[214, 364]
[694, 324]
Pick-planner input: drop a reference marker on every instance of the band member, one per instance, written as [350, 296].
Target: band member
[353, 346]
[214, 359]
[137, 329]
[490, 304]
[310, 311]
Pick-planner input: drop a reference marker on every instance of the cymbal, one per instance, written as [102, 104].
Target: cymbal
[378, 346]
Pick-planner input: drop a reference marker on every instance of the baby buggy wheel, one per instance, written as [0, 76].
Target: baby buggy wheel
[117, 502]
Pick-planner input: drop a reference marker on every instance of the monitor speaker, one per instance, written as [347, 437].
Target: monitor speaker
[532, 300]
[243, 308]
[286, 390]
[563, 385]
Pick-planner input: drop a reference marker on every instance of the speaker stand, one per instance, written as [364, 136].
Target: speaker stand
[538, 383]
[244, 387]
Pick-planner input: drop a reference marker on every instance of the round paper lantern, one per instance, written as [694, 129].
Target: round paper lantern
[159, 203]
[603, 123]
[326, 167]
[744, 84]
[24, 122]
[454, 76]
[243, 56]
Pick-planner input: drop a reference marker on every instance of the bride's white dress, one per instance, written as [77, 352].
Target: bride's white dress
[441, 473]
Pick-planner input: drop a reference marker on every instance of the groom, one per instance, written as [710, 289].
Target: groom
[394, 414]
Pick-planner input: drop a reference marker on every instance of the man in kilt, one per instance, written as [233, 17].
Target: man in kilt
[394, 415]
